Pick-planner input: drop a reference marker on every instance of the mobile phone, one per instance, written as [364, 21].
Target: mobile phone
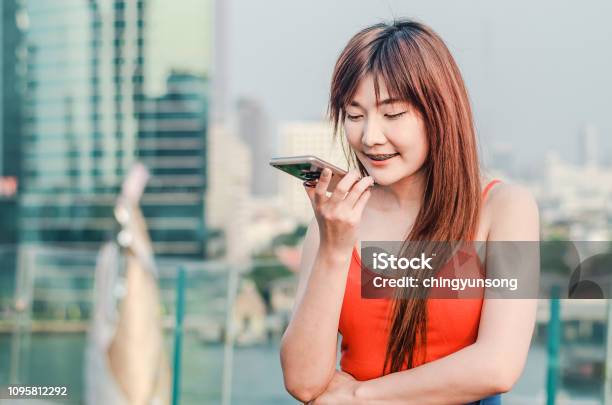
[308, 168]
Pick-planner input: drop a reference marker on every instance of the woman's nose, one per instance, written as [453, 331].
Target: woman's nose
[372, 133]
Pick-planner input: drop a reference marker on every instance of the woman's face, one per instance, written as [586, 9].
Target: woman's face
[389, 137]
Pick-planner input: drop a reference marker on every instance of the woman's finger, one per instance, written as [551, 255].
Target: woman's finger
[320, 194]
[310, 192]
[344, 186]
[357, 190]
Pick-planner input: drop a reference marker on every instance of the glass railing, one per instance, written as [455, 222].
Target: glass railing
[47, 307]
[221, 330]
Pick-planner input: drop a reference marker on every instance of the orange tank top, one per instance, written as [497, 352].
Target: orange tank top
[452, 324]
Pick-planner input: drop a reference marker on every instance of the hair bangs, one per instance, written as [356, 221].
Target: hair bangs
[388, 67]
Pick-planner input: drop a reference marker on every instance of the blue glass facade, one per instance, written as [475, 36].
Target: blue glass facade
[11, 89]
[86, 120]
[172, 144]
[83, 80]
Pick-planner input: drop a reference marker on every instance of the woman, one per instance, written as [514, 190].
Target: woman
[399, 98]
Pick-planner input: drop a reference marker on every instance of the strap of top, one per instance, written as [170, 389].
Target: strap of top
[488, 187]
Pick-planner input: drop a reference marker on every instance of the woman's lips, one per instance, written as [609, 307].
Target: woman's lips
[381, 159]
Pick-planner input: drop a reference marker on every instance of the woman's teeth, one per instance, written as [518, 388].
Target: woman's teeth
[382, 157]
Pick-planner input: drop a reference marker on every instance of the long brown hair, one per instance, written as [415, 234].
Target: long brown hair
[415, 65]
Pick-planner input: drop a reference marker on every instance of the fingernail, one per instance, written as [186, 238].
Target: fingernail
[326, 172]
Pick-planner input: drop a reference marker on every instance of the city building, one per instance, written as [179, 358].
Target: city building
[172, 145]
[254, 129]
[588, 146]
[87, 118]
[577, 197]
[221, 61]
[228, 195]
[268, 219]
[84, 63]
[11, 89]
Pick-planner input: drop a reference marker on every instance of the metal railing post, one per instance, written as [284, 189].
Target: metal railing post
[178, 335]
[228, 351]
[607, 394]
[554, 341]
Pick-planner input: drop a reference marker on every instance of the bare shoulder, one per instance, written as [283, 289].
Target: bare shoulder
[513, 213]
[505, 194]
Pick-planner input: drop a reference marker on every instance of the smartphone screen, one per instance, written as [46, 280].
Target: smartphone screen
[303, 171]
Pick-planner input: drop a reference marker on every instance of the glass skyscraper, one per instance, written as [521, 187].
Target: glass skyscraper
[87, 118]
[84, 65]
[172, 144]
[11, 89]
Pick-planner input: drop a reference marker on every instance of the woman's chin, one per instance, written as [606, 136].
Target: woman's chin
[385, 180]
[382, 180]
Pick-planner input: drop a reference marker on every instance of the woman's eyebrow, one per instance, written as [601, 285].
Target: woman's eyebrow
[386, 101]
[390, 101]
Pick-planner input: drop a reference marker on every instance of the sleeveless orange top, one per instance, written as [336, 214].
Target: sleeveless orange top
[452, 324]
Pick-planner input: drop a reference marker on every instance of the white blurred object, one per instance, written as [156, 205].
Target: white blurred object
[126, 360]
[100, 385]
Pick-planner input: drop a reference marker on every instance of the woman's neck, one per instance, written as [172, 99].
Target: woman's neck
[404, 195]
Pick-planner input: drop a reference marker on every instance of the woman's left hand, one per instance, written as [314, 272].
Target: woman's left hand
[341, 390]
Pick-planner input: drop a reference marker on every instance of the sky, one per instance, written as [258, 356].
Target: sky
[536, 72]
[179, 36]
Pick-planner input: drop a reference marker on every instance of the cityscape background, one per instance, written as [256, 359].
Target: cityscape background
[203, 93]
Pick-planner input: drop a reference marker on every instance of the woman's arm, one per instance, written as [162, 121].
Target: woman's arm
[495, 361]
[309, 345]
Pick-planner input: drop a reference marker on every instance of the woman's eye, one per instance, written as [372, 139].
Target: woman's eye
[353, 117]
[392, 116]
